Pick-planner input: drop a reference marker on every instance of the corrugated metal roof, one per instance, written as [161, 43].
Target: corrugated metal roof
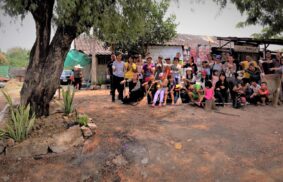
[188, 40]
[15, 72]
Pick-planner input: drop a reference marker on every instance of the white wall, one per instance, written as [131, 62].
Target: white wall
[165, 51]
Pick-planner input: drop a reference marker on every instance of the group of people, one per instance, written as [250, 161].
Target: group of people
[218, 78]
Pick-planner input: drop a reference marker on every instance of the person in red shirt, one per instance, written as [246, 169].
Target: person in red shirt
[263, 93]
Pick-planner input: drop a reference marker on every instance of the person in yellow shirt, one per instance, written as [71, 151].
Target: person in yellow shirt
[130, 70]
[245, 65]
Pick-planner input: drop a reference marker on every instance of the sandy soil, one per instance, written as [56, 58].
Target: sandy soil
[174, 143]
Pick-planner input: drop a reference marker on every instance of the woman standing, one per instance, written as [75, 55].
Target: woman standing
[118, 76]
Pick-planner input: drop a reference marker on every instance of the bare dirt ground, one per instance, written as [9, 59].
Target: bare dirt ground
[173, 143]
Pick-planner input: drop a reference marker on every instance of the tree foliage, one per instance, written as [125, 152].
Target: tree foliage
[121, 22]
[17, 57]
[268, 13]
[114, 21]
[3, 59]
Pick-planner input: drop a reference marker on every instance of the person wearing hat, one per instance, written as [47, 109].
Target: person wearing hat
[118, 76]
[78, 76]
[158, 67]
[217, 64]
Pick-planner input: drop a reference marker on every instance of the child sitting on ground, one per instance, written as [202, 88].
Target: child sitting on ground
[240, 90]
[170, 90]
[214, 78]
[136, 94]
[254, 97]
[195, 93]
[150, 88]
[209, 94]
[162, 86]
[263, 93]
[208, 91]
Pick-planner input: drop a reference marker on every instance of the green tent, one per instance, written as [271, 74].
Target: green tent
[74, 58]
[4, 71]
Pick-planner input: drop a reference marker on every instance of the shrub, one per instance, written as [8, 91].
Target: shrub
[83, 120]
[21, 121]
[68, 97]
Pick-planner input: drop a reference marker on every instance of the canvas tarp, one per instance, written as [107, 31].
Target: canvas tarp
[74, 58]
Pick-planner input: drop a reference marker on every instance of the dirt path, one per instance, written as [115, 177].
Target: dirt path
[180, 143]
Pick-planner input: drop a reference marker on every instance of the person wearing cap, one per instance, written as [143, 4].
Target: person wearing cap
[118, 76]
[217, 64]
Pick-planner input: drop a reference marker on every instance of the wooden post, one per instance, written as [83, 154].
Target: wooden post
[209, 105]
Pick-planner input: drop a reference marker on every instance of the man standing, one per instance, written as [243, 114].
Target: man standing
[118, 76]
[110, 70]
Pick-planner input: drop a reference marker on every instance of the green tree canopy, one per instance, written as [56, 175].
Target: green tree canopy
[3, 59]
[18, 57]
[113, 21]
[268, 13]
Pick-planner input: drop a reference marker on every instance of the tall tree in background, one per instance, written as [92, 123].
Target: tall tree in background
[268, 13]
[111, 20]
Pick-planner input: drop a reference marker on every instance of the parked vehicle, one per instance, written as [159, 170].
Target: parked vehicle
[65, 77]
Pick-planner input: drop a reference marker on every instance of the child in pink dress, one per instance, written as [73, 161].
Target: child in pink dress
[208, 91]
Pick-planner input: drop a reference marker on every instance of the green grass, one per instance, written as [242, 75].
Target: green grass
[21, 121]
[83, 120]
[68, 98]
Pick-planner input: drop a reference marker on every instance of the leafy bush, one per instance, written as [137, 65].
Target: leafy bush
[68, 97]
[21, 121]
[83, 120]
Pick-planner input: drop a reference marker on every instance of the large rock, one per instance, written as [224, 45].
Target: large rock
[66, 140]
[28, 148]
[86, 132]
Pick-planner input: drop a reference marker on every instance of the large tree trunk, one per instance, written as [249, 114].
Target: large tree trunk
[46, 61]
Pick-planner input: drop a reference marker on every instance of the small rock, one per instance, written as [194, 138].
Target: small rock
[119, 161]
[86, 131]
[66, 118]
[10, 142]
[92, 126]
[71, 137]
[144, 161]
[5, 178]
[90, 120]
